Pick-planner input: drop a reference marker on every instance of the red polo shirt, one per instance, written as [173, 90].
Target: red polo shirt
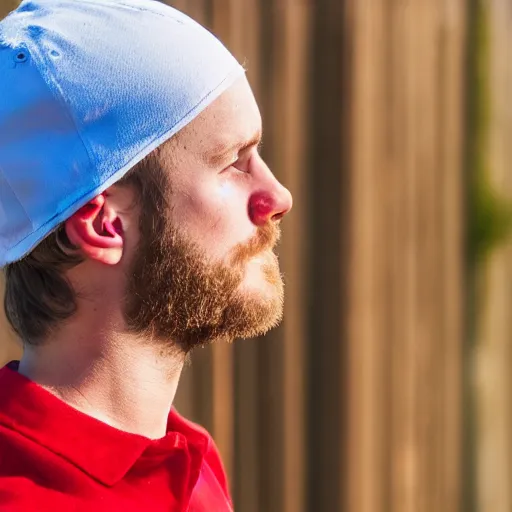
[53, 458]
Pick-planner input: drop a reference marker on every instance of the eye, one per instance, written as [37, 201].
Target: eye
[240, 166]
[243, 162]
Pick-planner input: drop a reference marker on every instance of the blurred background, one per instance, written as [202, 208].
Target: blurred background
[388, 388]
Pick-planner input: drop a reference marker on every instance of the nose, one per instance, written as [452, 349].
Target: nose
[270, 205]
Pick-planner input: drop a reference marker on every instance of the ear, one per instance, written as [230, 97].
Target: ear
[96, 230]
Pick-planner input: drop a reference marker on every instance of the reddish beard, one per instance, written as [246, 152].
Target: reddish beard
[265, 239]
[175, 296]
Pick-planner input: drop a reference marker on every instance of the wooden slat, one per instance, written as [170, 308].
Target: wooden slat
[292, 125]
[366, 436]
[324, 232]
[452, 185]
[423, 345]
[403, 454]
[493, 354]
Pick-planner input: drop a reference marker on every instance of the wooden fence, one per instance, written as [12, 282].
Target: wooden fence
[355, 402]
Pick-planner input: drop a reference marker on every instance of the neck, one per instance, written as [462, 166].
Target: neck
[116, 378]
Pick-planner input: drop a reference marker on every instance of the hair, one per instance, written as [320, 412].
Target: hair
[38, 295]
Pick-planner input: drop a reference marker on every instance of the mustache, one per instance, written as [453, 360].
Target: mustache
[265, 238]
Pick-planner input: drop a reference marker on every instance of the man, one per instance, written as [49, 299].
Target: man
[137, 221]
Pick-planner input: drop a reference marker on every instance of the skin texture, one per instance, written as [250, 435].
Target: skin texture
[196, 269]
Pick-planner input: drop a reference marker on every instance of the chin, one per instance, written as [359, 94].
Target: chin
[263, 277]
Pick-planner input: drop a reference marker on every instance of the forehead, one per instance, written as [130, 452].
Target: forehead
[232, 118]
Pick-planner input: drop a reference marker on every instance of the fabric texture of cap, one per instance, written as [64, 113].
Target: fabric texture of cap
[88, 88]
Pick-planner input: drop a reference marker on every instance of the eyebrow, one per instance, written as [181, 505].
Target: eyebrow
[223, 152]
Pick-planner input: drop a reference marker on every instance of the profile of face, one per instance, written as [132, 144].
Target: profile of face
[204, 268]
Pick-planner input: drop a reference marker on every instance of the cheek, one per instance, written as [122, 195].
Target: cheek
[215, 213]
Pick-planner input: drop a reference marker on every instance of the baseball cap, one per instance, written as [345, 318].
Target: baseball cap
[88, 88]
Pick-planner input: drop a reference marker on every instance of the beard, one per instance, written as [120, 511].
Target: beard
[177, 297]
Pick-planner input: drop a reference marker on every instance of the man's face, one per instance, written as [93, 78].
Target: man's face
[205, 268]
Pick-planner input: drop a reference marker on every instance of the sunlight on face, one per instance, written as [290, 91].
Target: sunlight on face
[205, 269]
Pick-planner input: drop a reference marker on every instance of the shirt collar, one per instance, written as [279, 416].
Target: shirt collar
[103, 452]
